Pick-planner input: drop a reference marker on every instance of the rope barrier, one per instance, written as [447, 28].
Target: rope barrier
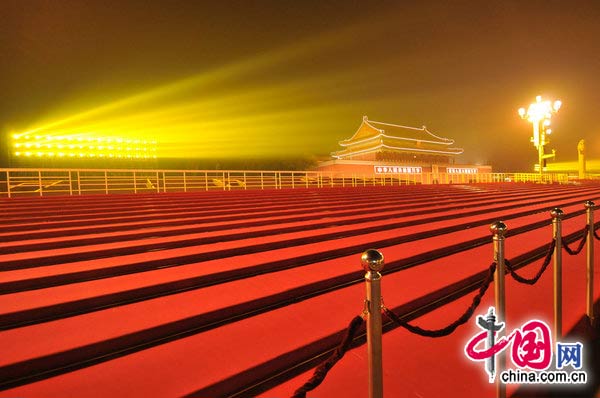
[450, 328]
[533, 280]
[322, 370]
[581, 243]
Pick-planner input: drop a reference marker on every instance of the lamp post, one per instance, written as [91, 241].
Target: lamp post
[539, 114]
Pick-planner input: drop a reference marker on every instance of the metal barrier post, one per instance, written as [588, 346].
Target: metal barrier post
[498, 230]
[557, 214]
[372, 262]
[589, 209]
[8, 183]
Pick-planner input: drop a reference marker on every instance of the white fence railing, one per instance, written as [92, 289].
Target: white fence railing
[43, 182]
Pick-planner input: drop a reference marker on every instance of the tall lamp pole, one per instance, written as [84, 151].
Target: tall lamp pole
[539, 114]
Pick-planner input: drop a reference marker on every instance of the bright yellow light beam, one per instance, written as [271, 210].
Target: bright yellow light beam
[185, 124]
[274, 96]
[314, 45]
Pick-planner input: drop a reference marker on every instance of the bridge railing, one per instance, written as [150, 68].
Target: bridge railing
[42, 182]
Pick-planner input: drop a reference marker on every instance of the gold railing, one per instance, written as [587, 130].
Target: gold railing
[43, 182]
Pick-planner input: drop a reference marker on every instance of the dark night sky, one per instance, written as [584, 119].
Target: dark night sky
[461, 68]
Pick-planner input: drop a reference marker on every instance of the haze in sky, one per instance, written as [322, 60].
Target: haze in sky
[256, 79]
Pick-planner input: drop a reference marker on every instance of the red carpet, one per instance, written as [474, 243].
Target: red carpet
[215, 293]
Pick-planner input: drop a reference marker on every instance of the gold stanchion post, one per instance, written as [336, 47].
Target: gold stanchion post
[498, 230]
[589, 209]
[372, 262]
[557, 215]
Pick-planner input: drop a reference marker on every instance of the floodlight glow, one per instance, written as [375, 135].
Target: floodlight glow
[218, 113]
[86, 146]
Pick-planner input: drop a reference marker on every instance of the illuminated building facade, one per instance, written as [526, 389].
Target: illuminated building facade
[378, 141]
[378, 147]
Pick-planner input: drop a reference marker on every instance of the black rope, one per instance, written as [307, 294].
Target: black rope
[596, 235]
[450, 328]
[581, 243]
[324, 367]
[533, 280]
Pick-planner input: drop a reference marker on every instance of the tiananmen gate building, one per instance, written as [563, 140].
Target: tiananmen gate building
[385, 148]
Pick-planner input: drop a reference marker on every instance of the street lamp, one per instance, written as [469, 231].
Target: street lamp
[539, 115]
